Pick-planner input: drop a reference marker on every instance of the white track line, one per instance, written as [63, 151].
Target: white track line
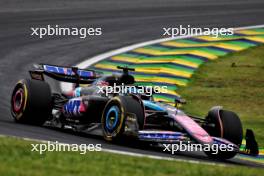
[129, 153]
[90, 61]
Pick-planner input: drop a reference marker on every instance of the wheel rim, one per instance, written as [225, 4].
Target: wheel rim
[18, 100]
[112, 118]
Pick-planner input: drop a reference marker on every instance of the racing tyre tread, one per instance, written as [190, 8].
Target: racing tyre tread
[36, 102]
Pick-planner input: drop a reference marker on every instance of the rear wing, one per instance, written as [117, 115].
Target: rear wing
[61, 73]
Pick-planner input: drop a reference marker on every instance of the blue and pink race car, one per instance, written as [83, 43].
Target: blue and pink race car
[40, 101]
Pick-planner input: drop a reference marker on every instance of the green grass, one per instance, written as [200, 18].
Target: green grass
[239, 88]
[16, 158]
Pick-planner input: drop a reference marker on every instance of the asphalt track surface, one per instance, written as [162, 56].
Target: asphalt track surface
[123, 23]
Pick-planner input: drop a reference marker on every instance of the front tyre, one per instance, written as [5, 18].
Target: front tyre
[31, 102]
[227, 125]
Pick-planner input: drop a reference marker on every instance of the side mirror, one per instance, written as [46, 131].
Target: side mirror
[125, 69]
[179, 101]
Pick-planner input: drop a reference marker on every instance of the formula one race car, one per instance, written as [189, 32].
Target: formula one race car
[39, 101]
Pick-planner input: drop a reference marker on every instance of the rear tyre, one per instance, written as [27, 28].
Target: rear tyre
[114, 116]
[31, 102]
[227, 125]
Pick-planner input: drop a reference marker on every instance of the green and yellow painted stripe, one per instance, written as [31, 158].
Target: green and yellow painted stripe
[172, 63]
